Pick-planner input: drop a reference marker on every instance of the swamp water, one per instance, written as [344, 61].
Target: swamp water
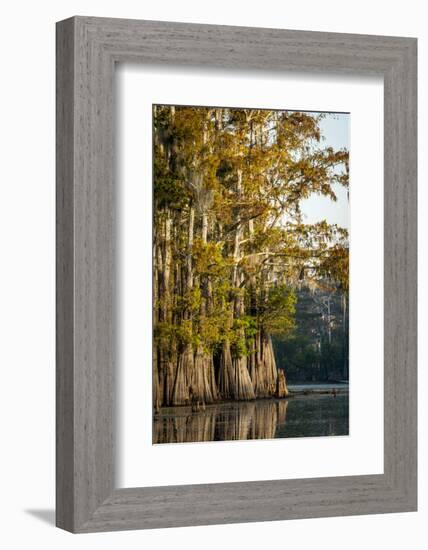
[309, 415]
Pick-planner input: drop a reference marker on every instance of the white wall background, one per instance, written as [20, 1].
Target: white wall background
[27, 272]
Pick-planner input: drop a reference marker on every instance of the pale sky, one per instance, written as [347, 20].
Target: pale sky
[335, 129]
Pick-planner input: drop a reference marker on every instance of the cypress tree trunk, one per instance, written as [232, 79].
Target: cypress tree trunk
[242, 386]
[281, 385]
[185, 363]
[270, 370]
[225, 374]
[157, 385]
[264, 371]
[157, 397]
[203, 384]
[169, 377]
[185, 367]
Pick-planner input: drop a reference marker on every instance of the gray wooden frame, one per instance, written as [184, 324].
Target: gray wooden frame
[87, 50]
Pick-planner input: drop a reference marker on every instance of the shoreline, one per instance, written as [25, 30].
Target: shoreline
[341, 389]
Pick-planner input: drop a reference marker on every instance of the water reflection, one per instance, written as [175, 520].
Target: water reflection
[301, 416]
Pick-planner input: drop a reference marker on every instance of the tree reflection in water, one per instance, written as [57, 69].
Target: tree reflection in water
[306, 416]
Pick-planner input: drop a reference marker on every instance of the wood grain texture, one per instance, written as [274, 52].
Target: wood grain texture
[87, 49]
[64, 276]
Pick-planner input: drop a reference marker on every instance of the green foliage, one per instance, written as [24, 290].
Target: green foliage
[242, 334]
[168, 186]
[189, 302]
[238, 346]
[277, 315]
[208, 259]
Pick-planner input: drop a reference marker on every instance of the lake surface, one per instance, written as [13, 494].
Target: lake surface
[305, 386]
[310, 415]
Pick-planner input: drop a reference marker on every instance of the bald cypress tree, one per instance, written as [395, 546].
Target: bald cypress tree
[230, 245]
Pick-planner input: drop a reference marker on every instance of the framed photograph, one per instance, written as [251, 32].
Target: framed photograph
[236, 274]
[249, 273]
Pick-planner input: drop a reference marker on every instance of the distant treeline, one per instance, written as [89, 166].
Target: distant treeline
[317, 350]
